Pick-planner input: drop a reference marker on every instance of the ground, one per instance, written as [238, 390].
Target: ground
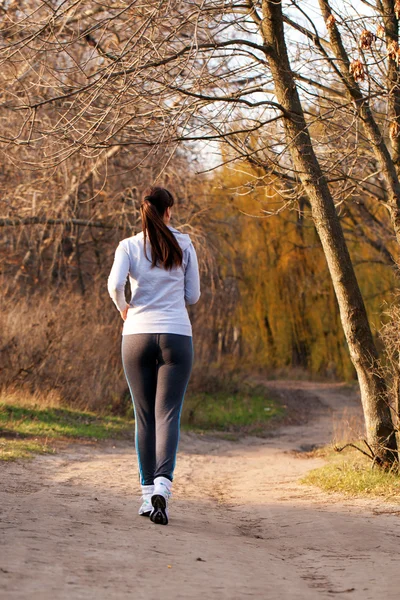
[241, 526]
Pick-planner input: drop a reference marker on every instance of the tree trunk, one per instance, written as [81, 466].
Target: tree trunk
[379, 426]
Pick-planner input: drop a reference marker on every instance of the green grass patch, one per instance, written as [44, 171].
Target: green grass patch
[247, 411]
[26, 429]
[351, 473]
[62, 422]
[13, 449]
[29, 422]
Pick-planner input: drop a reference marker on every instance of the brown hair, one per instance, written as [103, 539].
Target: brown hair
[165, 250]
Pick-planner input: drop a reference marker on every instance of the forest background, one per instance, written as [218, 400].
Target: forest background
[267, 304]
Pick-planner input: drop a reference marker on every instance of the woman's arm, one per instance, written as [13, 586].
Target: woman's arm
[192, 277]
[117, 280]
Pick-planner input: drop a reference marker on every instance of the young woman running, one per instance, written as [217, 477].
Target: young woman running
[157, 349]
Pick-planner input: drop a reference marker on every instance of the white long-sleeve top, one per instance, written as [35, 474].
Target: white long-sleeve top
[159, 297]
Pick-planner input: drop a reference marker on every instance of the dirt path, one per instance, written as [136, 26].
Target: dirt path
[241, 527]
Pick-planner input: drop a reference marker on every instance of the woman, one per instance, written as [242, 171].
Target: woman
[157, 349]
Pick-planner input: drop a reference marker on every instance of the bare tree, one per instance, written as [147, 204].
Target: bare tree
[301, 98]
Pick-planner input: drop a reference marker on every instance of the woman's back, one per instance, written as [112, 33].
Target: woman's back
[159, 296]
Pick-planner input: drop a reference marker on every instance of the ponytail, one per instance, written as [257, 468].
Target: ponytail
[165, 250]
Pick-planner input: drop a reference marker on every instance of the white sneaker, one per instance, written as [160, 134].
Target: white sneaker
[159, 500]
[146, 507]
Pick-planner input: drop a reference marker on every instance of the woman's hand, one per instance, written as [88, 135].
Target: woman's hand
[124, 313]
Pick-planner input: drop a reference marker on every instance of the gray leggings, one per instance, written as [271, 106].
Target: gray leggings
[157, 368]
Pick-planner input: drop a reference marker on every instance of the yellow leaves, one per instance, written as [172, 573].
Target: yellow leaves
[394, 130]
[397, 9]
[366, 39]
[380, 31]
[357, 70]
[393, 51]
[287, 311]
[330, 22]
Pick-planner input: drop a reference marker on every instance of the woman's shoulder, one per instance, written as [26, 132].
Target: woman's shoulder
[183, 238]
[128, 242]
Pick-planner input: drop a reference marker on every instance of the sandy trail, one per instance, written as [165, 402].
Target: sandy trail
[241, 527]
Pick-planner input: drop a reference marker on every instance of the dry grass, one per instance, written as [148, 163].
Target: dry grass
[348, 425]
[349, 471]
[352, 474]
[63, 350]
[23, 398]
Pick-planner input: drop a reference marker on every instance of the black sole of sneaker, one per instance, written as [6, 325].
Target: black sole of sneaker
[145, 514]
[159, 512]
